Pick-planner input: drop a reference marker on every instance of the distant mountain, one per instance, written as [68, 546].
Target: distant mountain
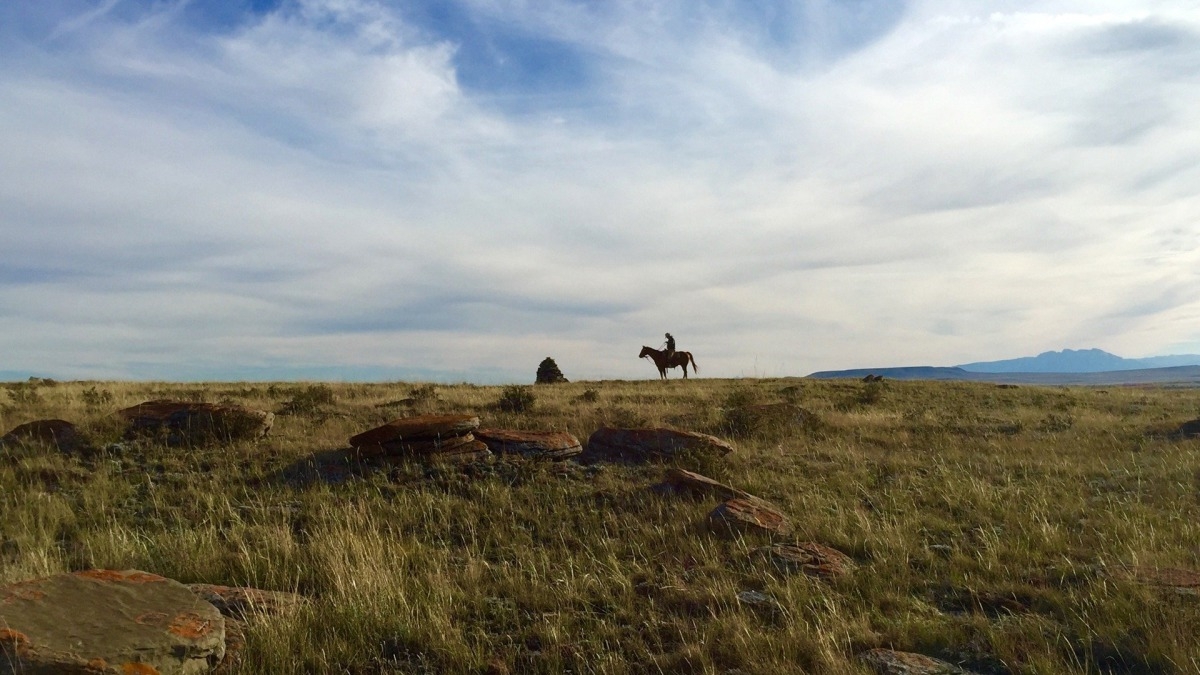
[1079, 361]
[1180, 376]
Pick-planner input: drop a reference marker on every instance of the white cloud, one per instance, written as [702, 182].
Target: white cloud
[317, 187]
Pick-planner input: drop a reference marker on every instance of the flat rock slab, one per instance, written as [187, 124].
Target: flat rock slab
[682, 481]
[1190, 429]
[641, 445]
[194, 422]
[891, 662]
[446, 444]
[421, 428]
[239, 605]
[242, 602]
[811, 558]
[107, 621]
[471, 452]
[749, 516]
[59, 434]
[537, 444]
[1182, 581]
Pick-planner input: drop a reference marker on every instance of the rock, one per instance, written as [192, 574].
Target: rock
[241, 602]
[538, 444]
[59, 434]
[548, 372]
[106, 621]
[416, 448]
[1178, 580]
[422, 428]
[640, 445]
[760, 601]
[1190, 429]
[471, 452]
[181, 422]
[811, 558]
[744, 516]
[689, 482]
[891, 662]
[432, 438]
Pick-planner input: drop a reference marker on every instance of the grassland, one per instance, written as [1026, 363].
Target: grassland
[993, 527]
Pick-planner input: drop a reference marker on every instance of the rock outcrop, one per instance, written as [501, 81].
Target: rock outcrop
[682, 481]
[241, 605]
[534, 444]
[196, 423]
[891, 662]
[57, 434]
[811, 558]
[548, 372]
[1189, 429]
[108, 622]
[747, 516]
[425, 437]
[641, 445]
[1178, 580]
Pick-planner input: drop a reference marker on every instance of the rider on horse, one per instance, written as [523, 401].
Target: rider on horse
[670, 344]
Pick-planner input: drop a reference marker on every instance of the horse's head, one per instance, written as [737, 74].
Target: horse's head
[645, 352]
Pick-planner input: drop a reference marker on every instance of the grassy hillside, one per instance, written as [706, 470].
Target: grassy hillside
[996, 527]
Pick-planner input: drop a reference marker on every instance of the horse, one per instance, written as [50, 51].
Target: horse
[662, 361]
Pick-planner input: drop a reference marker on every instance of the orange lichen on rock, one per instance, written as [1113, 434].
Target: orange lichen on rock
[13, 641]
[132, 576]
[190, 625]
[23, 591]
[134, 668]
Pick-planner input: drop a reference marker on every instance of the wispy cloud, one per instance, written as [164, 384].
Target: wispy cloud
[466, 187]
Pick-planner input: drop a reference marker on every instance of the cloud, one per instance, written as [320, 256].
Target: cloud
[466, 187]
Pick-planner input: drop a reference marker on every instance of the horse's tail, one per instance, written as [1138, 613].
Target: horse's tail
[694, 368]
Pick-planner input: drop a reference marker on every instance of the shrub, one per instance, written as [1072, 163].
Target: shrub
[516, 398]
[95, 398]
[309, 399]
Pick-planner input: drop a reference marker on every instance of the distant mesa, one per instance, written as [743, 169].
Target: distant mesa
[1081, 367]
[548, 372]
[1079, 361]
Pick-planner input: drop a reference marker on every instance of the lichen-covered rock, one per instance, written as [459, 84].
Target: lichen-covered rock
[419, 429]
[470, 452]
[239, 605]
[58, 434]
[640, 445]
[747, 516]
[191, 422]
[809, 557]
[107, 621]
[241, 602]
[1178, 580]
[416, 448]
[891, 662]
[683, 481]
[548, 372]
[537, 444]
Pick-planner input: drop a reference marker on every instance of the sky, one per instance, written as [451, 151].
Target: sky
[452, 190]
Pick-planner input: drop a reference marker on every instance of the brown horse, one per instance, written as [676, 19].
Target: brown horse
[662, 361]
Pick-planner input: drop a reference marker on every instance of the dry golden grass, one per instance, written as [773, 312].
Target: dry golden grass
[992, 527]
